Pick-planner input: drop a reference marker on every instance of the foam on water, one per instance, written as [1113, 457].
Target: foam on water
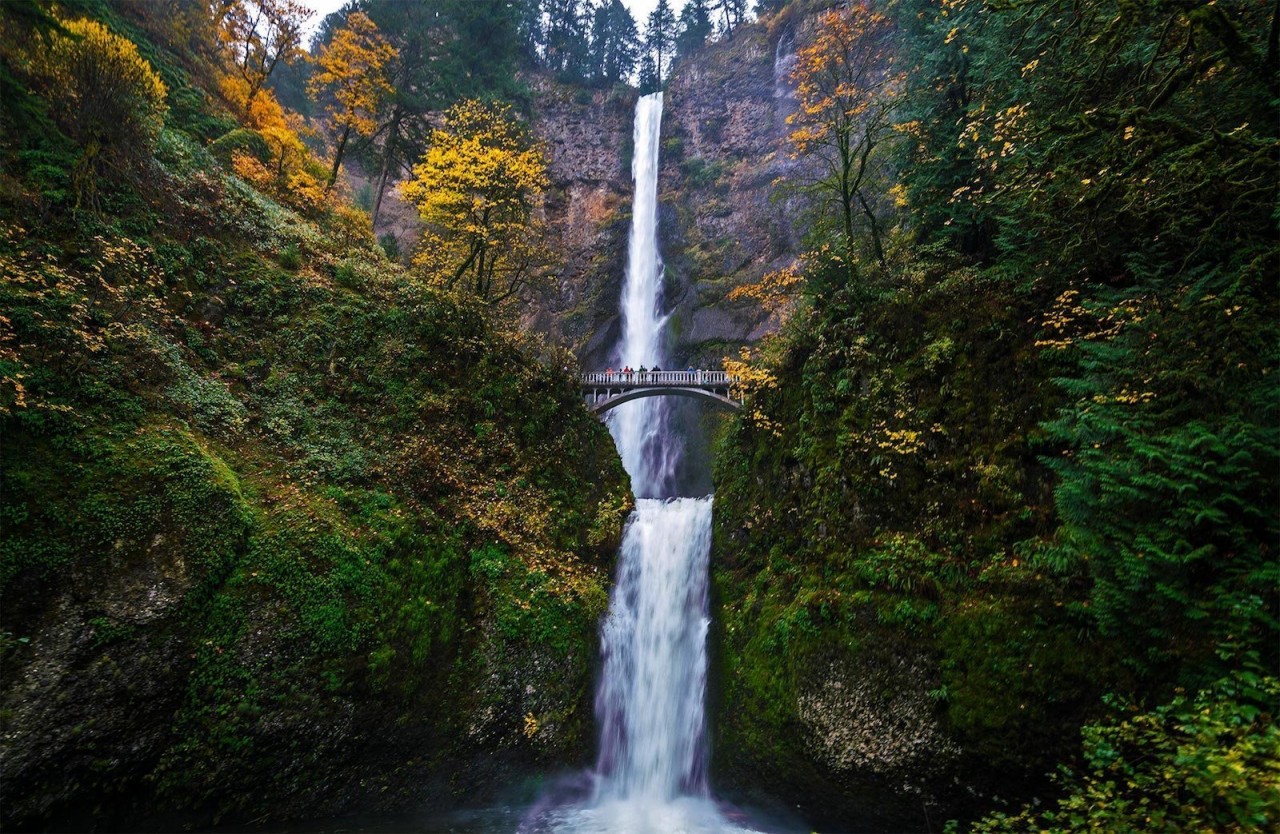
[651, 775]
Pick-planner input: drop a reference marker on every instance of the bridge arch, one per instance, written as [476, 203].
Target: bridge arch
[613, 400]
[607, 390]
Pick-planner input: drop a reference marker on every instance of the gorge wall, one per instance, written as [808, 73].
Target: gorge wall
[723, 221]
[726, 217]
[587, 134]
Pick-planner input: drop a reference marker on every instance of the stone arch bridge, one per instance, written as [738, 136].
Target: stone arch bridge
[604, 391]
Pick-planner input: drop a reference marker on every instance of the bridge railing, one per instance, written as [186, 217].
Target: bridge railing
[700, 378]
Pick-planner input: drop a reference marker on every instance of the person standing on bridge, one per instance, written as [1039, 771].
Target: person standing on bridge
[644, 373]
[608, 374]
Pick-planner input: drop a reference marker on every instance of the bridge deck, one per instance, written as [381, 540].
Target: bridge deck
[684, 379]
[605, 390]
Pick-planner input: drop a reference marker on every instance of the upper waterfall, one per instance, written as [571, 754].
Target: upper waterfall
[650, 451]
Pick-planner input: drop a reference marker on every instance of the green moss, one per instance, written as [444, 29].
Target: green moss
[310, 475]
[1009, 671]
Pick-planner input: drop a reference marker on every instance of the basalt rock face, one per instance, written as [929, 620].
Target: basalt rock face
[587, 134]
[726, 220]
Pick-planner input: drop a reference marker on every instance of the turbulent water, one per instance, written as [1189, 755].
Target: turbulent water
[650, 450]
[651, 776]
[654, 642]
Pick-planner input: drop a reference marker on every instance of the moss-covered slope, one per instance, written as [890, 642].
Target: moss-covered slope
[284, 532]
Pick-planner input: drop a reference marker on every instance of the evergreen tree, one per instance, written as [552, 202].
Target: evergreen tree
[531, 32]
[694, 27]
[732, 14]
[938, 105]
[567, 47]
[659, 41]
[649, 81]
[615, 43]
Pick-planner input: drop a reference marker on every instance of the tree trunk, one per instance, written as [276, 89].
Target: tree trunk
[388, 154]
[846, 203]
[337, 159]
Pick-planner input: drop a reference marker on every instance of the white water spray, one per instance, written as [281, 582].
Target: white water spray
[651, 777]
[649, 450]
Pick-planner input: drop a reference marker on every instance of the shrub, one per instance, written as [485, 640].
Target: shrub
[290, 258]
[390, 245]
[1203, 762]
[247, 142]
[347, 275]
[104, 95]
[350, 228]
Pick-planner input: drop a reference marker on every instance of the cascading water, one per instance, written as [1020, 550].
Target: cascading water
[648, 448]
[651, 776]
[650, 701]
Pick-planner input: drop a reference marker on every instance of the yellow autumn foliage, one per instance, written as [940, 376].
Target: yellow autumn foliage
[479, 191]
[352, 68]
[750, 375]
[776, 292]
[103, 94]
[261, 113]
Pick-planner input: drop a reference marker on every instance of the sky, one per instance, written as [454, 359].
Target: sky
[639, 9]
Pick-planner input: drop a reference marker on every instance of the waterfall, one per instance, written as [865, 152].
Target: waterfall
[784, 89]
[641, 429]
[650, 700]
[651, 775]
[784, 62]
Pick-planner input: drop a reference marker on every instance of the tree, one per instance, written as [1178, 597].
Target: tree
[104, 95]
[615, 43]
[566, 45]
[530, 31]
[418, 34]
[447, 50]
[939, 102]
[353, 69]
[478, 189]
[649, 81]
[733, 13]
[20, 21]
[659, 39]
[695, 26]
[261, 34]
[846, 86]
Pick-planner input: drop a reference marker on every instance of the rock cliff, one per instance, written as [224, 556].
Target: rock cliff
[727, 217]
[588, 139]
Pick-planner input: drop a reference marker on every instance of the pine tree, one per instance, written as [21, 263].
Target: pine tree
[615, 44]
[659, 41]
[694, 26]
[567, 41]
[732, 14]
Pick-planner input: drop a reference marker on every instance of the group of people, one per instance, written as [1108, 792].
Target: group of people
[641, 374]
